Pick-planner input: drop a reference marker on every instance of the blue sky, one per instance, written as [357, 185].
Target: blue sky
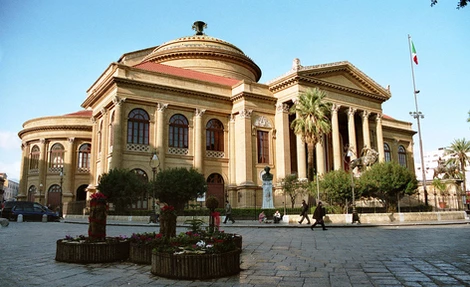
[52, 51]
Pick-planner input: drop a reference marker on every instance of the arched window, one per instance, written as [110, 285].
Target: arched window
[56, 159]
[84, 157]
[402, 156]
[138, 127]
[178, 133]
[387, 153]
[214, 135]
[142, 201]
[263, 146]
[34, 158]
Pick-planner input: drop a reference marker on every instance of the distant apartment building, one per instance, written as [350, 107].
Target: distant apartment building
[8, 188]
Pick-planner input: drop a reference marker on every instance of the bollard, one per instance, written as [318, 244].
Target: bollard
[4, 222]
[44, 218]
[19, 218]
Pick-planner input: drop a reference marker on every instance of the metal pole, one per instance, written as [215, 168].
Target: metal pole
[61, 180]
[417, 115]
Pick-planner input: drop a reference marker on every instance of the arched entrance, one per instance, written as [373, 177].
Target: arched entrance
[53, 197]
[81, 193]
[31, 193]
[215, 188]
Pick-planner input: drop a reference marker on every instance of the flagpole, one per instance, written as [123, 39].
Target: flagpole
[417, 115]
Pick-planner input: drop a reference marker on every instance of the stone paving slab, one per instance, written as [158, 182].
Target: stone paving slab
[423, 255]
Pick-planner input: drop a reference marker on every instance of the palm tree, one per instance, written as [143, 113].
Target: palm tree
[312, 121]
[460, 150]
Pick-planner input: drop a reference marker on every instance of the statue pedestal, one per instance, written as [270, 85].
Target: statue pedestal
[267, 194]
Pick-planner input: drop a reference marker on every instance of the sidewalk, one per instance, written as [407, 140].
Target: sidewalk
[256, 224]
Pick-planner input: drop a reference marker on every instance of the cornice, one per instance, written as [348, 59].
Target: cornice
[296, 79]
[245, 95]
[159, 87]
[56, 128]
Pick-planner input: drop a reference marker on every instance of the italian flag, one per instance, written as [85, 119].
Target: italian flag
[413, 53]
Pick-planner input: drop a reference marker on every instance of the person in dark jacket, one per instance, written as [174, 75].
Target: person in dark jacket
[304, 212]
[318, 216]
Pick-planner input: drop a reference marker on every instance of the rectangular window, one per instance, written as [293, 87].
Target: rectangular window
[263, 146]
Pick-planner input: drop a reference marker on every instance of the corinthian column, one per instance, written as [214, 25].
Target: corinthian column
[198, 146]
[282, 140]
[337, 160]
[244, 148]
[352, 133]
[160, 146]
[232, 160]
[365, 128]
[380, 139]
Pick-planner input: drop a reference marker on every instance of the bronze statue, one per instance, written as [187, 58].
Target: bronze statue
[449, 170]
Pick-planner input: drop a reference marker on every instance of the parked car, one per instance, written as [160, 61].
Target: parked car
[31, 211]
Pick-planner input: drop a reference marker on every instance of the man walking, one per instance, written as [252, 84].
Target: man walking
[318, 216]
[304, 212]
[228, 212]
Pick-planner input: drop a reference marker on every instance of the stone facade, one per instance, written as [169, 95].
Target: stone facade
[196, 102]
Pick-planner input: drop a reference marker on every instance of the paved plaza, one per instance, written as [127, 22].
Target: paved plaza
[425, 255]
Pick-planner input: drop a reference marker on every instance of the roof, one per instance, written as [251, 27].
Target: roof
[82, 113]
[185, 73]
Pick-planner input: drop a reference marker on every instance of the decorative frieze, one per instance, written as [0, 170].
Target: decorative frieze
[138, 147]
[216, 154]
[179, 151]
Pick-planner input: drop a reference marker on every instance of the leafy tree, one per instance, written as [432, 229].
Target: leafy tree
[388, 182]
[293, 187]
[337, 185]
[176, 186]
[122, 187]
[460, 150]
[312, 121]
[460, 3]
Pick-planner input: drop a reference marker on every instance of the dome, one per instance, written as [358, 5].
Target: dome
[206, 54]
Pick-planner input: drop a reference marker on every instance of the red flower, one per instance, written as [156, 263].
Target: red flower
[98, 195]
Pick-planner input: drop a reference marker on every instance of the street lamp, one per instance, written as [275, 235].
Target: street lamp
[61, 174]
[154, 164]
[40, 190]
[418, 115]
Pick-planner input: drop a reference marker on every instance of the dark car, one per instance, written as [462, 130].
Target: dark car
[31, 211]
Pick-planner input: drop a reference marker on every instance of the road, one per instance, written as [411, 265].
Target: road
[360, 256]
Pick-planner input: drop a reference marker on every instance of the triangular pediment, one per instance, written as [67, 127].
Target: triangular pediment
[344, 75]
[341, 76]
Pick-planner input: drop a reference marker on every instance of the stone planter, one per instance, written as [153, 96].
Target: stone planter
[140, 254]
[91, 252]
[196, 266]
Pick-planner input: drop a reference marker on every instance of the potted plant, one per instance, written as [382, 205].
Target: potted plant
[197, 255]
[96, 247]
[439, 185]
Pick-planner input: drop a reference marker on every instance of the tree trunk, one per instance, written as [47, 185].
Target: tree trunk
[97, 219]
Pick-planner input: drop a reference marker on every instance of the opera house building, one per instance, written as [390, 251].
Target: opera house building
[196, 101]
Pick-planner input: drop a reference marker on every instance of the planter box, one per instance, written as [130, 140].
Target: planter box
[91, 252]
[140, 254]
[196, 266]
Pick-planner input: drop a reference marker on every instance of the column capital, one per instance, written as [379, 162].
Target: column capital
[282, 108]
[378, 117]
[335, 108]
[70, 140]
[199, 112]
[161, 107]
[351, 111]
[118, 101]
[365, 114]
[246, 114]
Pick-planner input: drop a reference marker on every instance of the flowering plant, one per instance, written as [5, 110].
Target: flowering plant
[86, 239]
[198, 242]
[147, 238]
[168, 209]
[98, 195]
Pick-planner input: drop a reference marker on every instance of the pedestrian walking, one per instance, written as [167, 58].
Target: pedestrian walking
[228, 212]
[318, 216]
[304, 212]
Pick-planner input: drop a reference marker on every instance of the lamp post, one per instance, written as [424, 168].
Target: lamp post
[154, 164]
[61, 180]
[40, 190]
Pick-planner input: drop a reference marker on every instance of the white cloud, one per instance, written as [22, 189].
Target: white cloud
[12, 169]
[9, 140]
